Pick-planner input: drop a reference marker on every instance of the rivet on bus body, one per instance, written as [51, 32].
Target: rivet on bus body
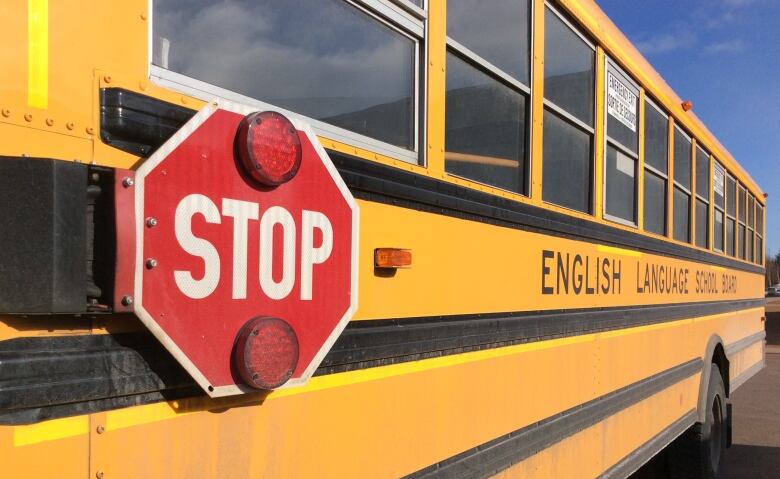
[90, 130]
[27, 117]
[184, 100]
[70, 125]
[127, 300]
[127, 182]
[142, 86]
[100, 429]
[6, 112]
[107, 78]
[151, 222]
[99, 475]
[143, 16]
[50, 121]
[151, 263]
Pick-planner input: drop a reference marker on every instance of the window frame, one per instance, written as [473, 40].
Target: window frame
[715, 164]
[655, 171]
[484, 66]
[759, 252]
[398, 15]
[612, 66]
[735, 244]
[567, 117]
[741, 247]
[697, 197]
[679, 186]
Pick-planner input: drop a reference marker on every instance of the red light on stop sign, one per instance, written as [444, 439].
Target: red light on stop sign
[266, 352]
[269, 147]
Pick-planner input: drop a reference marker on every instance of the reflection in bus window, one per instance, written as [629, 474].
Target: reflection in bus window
[325, 59]
[682, 186]
[485, 128]
[567, 170]
[505, 44]
[656, 126]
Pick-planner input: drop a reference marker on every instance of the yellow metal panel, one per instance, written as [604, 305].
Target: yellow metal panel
[45, 450]
[640, 202]
[470, 267]
[437, 78]
[38, 53]
[599, 137]
[537, 101]
[417, 409]
[595, 449]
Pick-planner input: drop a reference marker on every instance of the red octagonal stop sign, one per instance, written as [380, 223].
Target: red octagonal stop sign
[215, 250]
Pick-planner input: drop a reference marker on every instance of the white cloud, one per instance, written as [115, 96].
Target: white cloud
[666, 42]
[726, 46]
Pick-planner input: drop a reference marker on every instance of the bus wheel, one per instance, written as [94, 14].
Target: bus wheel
[698, 453]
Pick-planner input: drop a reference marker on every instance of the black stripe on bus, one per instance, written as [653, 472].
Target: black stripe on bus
[49, 377]
[631, 463]
[380, 342]
[384, 184]
[498, 454]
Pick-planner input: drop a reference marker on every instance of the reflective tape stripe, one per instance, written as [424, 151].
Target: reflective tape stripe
[38, 53]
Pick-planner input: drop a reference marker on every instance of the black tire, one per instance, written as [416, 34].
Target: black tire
[699, 452]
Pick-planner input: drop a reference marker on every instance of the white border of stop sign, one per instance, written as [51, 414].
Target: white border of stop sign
[140, 260]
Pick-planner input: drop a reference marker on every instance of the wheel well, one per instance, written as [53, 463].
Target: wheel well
[720, 359]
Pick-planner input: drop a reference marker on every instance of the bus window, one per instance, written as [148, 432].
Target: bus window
[682, 186]
[568, 115]
[718, 195]
[759, 234]
[622, 152]
[751, 226]
[505, 44]
[731, 219]
[702, 197]
[325, 59]
[656, 125]
[742, 230]
[487, 97]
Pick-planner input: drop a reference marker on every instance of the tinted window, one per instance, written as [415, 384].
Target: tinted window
[741, 235]
[325, 59]
[702, 223]
[568, 69]
[759, 219]
[759, 250]
[730, 236]
[681, 216]
[485, 128]
[682, 159]
[742, 204]
[567, 164]
[703, 174]
[655, 203]
[656, 139]
[717, 231]
[750, 245]
[751, 210]
[731, 196]
[621, 185]
[505, 43]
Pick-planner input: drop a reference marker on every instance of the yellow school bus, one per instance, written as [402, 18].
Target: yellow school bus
[573, 264]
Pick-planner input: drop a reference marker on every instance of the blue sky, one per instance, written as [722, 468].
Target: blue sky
[724, 55]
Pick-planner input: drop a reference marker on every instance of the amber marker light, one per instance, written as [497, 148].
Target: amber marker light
[392, 258]
[687, 105]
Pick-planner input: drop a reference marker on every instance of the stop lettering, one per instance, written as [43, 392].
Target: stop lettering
[237, 278]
